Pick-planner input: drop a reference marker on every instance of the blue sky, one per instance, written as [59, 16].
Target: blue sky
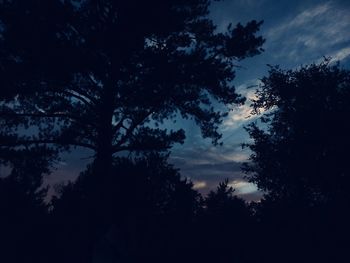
[297, 32]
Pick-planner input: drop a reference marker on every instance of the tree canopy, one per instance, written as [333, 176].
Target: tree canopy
[299, 158]
[301, 153]
[103, 74]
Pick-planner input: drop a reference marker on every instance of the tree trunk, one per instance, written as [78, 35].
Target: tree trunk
[100, 197]
[103, 158]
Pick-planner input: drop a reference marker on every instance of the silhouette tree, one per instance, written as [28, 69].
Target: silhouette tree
[94, 73]
[299, 159]
[23, 212]
[147, 214]
[224, 227]
[104, 75]
[302, 152]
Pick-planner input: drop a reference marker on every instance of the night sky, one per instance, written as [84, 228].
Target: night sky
[297, 32]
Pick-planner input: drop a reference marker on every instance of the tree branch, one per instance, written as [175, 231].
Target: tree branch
[84, 94]
[79, 97]
[140, 148]
[48, 115]
[131, 129]
[119, 125]
[47, 141]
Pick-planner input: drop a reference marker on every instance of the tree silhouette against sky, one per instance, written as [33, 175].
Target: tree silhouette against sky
[104, 74]
[302, 151]
[300, 159]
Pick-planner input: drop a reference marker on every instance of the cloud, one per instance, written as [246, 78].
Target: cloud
[197, 185]
[241, 115]
[243, 187]
[237, 117]
[209, 155]
[297, 32]
[322, 30]
[341, 54]
[206, 167]
[298, 21]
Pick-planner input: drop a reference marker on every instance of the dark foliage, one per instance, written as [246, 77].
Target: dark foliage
[149, 213]
[300, 160]
[94, 73]
[23, 212]
[104, 75]
[145, 213]
[225, 227]
[303, 152]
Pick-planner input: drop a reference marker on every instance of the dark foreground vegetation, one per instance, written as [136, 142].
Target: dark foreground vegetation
[144, 211]
[104, 75]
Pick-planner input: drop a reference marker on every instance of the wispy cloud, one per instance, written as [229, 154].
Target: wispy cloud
[322, 30]
[241, 115]
[298, 21]
[208, 166]
[341, 54]
[197, 185]
[243, 187]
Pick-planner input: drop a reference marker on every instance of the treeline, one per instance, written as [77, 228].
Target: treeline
[144, 211]
[104, 75]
